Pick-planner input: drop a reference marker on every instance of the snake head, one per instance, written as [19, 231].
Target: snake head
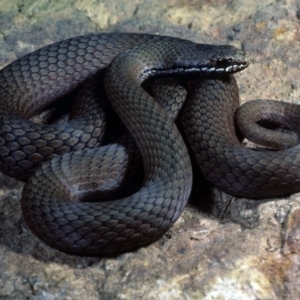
[222, 59]
[184, 57]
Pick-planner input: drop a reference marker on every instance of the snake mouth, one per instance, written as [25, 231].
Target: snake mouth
[227, 66]
[215, 66]
[218, 67]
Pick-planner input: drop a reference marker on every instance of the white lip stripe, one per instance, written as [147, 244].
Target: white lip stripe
[229, 69]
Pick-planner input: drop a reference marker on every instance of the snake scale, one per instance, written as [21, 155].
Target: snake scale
[64, 164]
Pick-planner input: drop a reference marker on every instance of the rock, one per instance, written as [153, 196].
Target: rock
[221, 247]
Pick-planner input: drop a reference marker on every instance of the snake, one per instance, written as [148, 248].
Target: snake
[65, 166]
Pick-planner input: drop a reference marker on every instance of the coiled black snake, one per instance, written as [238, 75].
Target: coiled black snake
[35, 82]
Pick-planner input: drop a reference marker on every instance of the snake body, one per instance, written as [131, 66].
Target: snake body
[223, 160]
[36, 81]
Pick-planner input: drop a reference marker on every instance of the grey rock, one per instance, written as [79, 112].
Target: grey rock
[221, 247]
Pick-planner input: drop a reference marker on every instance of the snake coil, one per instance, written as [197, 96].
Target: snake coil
[63, 164]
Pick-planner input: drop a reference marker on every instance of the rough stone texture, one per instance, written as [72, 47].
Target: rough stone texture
[221, 247]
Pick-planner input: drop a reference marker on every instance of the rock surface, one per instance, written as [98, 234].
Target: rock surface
[221, 247]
